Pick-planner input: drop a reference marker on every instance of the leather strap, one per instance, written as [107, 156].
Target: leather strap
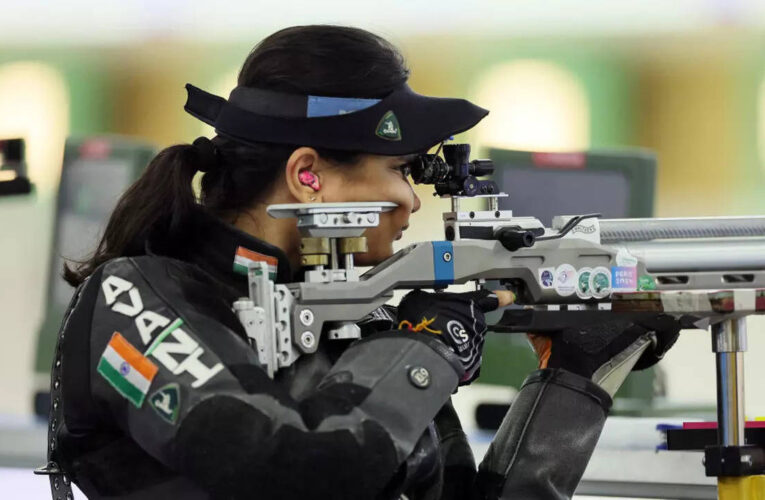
[60, 484]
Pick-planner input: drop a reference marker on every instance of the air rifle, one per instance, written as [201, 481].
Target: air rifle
[708, 272]
[580, 271]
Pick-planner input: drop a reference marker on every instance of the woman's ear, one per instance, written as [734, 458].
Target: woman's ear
[303, 176]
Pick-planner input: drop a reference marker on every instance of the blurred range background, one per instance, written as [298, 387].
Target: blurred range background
[683, 78]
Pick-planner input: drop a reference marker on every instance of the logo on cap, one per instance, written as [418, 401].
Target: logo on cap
[388, 128]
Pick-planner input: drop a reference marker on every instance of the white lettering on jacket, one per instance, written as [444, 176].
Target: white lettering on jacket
[185, 344]
[147, 322]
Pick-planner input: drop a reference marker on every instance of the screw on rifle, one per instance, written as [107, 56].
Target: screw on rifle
[307, 339]
[447, 257]
[306, 317]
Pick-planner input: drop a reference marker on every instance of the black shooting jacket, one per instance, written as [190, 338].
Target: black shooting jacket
[158, 395]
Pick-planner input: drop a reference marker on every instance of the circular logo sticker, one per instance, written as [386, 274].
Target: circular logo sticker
[583, 283]
[600, 282]
[565, 280]
[546, 277]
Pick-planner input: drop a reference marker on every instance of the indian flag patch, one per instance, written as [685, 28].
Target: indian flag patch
[126, 369]
[245, 257]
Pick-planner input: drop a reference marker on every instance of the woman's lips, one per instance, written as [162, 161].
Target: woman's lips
[401, 232]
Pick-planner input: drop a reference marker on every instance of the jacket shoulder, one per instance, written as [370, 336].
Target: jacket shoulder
[142, 296]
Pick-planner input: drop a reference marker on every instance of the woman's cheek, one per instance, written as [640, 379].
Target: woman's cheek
[380, 246]
[371, 258]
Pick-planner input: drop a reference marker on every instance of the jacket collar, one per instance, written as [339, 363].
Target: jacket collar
[223, 250]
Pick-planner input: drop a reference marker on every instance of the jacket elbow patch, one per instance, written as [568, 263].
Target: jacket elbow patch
[336, 399]
[233, 449]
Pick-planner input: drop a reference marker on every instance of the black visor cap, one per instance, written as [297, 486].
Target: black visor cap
[402, 123]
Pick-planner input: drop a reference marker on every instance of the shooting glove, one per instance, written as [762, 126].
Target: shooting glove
[457, 319]
[607, 352]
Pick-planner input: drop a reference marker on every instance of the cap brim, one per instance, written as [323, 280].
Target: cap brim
[417, 123]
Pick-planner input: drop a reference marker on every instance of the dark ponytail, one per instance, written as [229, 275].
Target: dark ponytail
[158, 207]
[159, 201]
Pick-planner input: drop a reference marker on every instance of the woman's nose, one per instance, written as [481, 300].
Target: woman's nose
[417, 202]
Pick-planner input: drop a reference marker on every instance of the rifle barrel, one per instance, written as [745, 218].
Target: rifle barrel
[623, 230]
[715, 254]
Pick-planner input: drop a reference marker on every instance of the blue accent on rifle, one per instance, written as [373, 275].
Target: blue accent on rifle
[332, 106]
[443, 268]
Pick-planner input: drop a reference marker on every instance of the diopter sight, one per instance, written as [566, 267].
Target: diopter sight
[454, 174]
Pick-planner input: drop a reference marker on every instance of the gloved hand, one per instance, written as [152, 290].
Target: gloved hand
[607, 352]
[457, 319]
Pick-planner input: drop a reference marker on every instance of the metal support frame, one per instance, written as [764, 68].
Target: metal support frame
[735, 464]
[729, 345]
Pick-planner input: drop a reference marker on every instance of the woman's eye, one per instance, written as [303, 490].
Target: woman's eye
[405, 169]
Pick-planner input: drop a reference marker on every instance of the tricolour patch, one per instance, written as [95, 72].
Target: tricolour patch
[244, 257]
[388, 128]
[126, 369]
[166, 401]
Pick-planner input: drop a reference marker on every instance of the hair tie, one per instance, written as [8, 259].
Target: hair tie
[208, 154]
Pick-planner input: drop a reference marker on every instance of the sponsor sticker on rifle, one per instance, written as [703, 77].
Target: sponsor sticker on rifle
[583, 290]
[547, 277]
[624, 279]
[600, 282]
[625, 259]
[646, 283]
[565, 280]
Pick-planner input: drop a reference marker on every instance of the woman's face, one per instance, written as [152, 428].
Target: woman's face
[375, 178]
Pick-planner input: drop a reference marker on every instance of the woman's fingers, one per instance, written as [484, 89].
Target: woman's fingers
[490, 300]
[542, 345]
[506, 297]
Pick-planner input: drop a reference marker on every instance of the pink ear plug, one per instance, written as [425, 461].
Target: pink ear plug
[309, 179]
